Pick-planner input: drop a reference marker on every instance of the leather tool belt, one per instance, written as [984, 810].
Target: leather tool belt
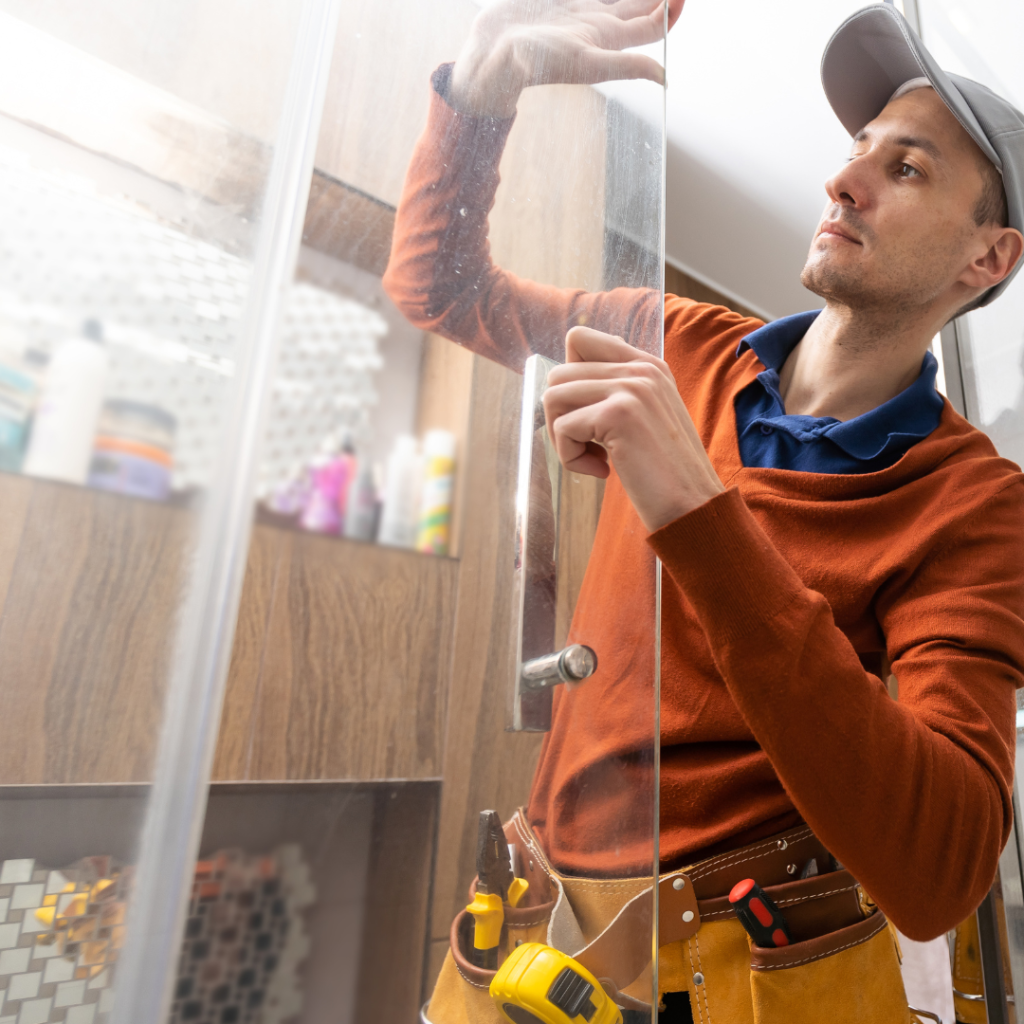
[842, 966]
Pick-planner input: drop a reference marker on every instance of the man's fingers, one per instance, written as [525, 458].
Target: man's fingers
[675, 8]
[580, 370]
[585, 345]
[626, 9]
[612, 66]
[573, 437]
[593, 461]
[622, 35]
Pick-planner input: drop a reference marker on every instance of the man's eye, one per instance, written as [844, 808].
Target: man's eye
[906, 171]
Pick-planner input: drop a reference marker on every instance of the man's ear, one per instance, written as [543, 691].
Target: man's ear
[1005, 248]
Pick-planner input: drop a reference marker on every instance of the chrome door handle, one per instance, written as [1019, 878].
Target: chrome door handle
[570, 665]
[537, 665]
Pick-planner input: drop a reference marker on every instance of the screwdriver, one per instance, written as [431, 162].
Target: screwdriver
[496, 885]
[759, 915]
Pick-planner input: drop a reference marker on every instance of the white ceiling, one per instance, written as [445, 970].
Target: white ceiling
[752, 139]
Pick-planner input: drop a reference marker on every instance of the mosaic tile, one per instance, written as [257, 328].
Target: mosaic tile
[15, 961]
[34, 1011]
[24, 986]
[69, 993]
[13, 872]
[57, 970]
[241, 953]
[171, 307]
[27, 897]
[244, 940]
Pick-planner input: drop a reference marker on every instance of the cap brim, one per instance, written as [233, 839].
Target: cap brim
[870, 56]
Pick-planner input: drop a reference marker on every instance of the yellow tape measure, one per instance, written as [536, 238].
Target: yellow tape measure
[540, 985]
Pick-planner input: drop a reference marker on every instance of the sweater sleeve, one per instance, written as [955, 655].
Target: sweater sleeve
[441, 275]
[913, 796]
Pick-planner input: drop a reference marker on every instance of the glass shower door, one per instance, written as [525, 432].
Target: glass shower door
[183, 335]
[154, 163]
[421, 636]
[984, 370]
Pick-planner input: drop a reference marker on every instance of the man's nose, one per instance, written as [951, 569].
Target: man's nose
[851, 186]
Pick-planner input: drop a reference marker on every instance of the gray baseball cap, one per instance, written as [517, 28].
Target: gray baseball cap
[875, 52]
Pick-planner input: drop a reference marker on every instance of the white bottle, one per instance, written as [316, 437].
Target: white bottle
[361, 507]
[60, 447]
[399, 519]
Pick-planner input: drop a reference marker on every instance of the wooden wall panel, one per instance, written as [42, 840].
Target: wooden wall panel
[352, 675]
[580, 507]
[348, 224]
[446, 387]
[483, 766]
[267, 547]
[379, 87]
[15, 498]
[548, 218]
[85, 632]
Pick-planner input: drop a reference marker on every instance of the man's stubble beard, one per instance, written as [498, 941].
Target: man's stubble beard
[911, 281]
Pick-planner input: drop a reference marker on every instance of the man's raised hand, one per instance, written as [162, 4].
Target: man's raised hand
[518, 43]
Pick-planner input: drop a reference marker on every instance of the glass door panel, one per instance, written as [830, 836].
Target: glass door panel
[151, 160]
[988, 356]
[406, 565]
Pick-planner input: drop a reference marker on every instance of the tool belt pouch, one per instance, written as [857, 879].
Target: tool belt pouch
[847, 976]
[461, 994]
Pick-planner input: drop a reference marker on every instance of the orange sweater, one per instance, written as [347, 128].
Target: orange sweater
[781, 598]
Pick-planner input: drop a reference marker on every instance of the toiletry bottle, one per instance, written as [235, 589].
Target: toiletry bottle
[290, 496]
[18, 393]
[321, 512]
[347, 467]
[400, 515]
[60, 446]
[361, 504]
[436, 500]
[133, 452]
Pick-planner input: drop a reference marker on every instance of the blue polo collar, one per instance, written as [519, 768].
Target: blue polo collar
[913, 414]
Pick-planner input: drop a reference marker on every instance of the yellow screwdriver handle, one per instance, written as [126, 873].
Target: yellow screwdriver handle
[517, 890]
[486, 908]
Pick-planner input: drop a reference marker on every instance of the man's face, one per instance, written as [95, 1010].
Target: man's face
[899, 226]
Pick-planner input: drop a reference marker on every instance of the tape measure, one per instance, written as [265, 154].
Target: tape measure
[540, 985]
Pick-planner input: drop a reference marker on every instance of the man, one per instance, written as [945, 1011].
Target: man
[821, 512]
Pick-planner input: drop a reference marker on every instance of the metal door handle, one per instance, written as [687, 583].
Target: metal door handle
[574, 663]
[536, 665]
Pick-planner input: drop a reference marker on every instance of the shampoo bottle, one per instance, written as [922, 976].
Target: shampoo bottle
[400, 516]
[60, 447]
[361, 508]
[347, 467]
[436, 501]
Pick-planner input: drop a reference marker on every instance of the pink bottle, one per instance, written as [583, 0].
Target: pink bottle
[330, 476]
[321, 512]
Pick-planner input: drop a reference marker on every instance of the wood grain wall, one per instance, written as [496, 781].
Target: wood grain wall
[341, 662]
[90, 584]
